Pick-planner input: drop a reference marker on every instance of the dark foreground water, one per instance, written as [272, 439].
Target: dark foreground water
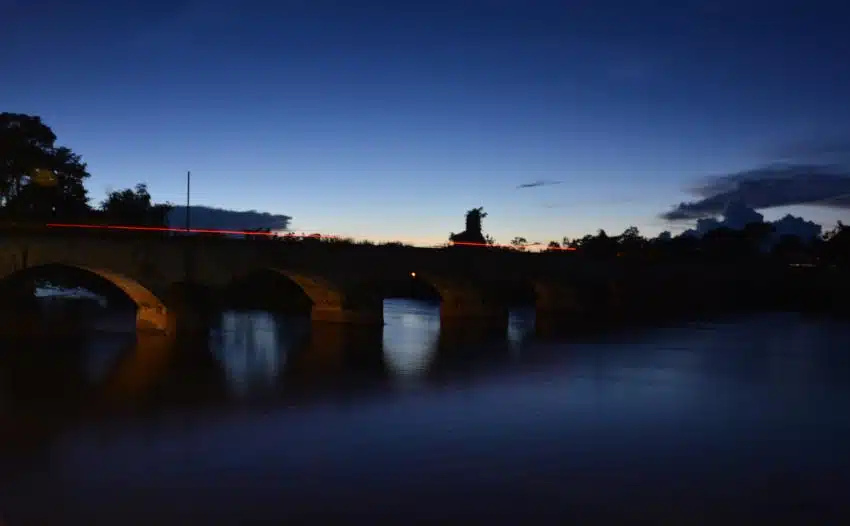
[741, 418]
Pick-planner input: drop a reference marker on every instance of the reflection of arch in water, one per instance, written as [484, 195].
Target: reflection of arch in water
[506, 308]
[104, 353]
[333, 351]
[151, 313]
[410, 337]
[521, 325]
[253, 348]
[147, 361]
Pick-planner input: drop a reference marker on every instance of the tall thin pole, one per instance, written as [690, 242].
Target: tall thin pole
[188, 254]
[188, 198]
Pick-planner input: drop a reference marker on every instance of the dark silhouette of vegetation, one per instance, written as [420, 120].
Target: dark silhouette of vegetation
[134, 207]
[836, 245]
[519, 243]
[754, 242]
[473, 232]
[42, 181]
[39, 180]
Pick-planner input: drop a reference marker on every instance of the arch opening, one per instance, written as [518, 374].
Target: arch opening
[462, 303]
[33, 292]
[412, 286]
[301, 292]
[268, 290]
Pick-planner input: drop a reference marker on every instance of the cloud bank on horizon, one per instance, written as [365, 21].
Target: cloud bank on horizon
[223, 219]
[823, 185]
[822, 180]
[737, 215]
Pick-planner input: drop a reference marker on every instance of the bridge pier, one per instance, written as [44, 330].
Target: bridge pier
[188, 311]
[354, 316]
[480, 316]
[20, 310]
[557, 300]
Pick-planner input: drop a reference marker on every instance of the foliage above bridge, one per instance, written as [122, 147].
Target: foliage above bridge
[43, 182]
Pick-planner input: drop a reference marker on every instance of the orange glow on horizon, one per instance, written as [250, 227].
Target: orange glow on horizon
[496, 245]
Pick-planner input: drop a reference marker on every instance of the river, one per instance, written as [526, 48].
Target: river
[742, 417]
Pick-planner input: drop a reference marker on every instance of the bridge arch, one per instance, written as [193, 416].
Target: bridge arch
[331, 300]
[462, 299]
[564, 297]
[551, 298]
[151, 312]
[321, 291]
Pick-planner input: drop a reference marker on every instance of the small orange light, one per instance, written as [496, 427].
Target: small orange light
[413, 274]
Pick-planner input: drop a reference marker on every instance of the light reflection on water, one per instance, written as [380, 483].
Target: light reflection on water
[251, 350]
[705, 417]
[410, 339]
[520, 327]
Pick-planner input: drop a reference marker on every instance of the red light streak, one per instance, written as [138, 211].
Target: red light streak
[172, 229]
[250, 233]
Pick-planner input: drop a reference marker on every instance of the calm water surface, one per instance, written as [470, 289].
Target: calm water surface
[744, 417]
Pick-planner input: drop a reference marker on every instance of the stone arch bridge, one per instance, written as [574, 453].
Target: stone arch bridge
[346, 283]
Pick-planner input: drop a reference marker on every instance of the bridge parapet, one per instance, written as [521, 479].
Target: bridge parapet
[346, 282]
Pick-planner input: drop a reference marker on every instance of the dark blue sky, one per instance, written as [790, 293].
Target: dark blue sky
[391, 119]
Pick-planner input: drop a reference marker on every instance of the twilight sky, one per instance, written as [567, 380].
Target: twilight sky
[389, 119]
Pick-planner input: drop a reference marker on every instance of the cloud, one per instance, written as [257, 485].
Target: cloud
[737, 215]
[797, 226]
[769, 187]
[219, 218]
[535, 184]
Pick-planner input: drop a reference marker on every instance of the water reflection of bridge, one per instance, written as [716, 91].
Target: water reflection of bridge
[259, 354]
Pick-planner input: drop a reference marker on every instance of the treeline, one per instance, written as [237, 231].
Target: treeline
[42, 181]
[756, 241]
[723, 244]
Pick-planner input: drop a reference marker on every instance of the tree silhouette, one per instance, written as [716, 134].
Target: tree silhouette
[631, 242]
[599, 246]
[757, 236]
[473, 233]
[134, 207]
[28, 147]
[788, 247]
[519, 243]
[836, 246]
